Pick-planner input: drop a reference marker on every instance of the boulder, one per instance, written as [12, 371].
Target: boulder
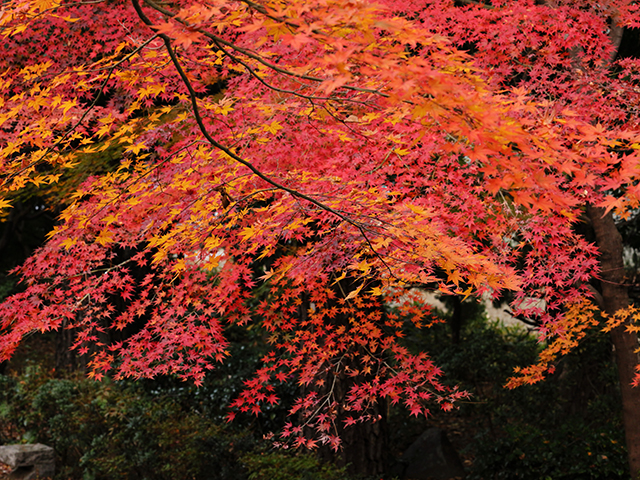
[28, 462]
[432, 457]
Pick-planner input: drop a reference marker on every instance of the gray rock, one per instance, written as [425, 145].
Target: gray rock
[432, 457]
[29, 462]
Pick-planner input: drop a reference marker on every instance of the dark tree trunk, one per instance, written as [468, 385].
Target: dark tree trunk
[455, 322]
[364, 445]
[615, 297]
[66, 359]
[363, 449]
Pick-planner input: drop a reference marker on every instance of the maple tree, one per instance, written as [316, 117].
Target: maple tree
[344, 154]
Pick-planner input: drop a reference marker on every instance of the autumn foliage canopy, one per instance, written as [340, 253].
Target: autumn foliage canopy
[338, 156]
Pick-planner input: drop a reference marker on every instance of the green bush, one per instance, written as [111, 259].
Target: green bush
[283, 466]
[573, 451]
[109, 430]
[140, 431]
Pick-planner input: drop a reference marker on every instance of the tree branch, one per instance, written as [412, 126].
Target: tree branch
[203, 129]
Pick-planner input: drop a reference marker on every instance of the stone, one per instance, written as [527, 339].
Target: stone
[28, 462]
[432, 457]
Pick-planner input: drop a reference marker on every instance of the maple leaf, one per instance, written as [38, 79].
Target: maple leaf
[4, 203]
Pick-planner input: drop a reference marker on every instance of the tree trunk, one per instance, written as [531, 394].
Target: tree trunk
[615, 297]
[364, 445]
[66, 360]
[455, 322]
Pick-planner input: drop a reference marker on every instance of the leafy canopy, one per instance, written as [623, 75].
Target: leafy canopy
[342, 154]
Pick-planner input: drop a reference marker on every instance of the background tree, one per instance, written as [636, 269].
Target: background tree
[593, 73]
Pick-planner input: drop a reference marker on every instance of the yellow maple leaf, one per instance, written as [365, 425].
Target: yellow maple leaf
[247, 233]
[4, 204]
[67, 105]
[273, 127]
[135, 149]
[376, 291]
[105, 236]
[67, 243]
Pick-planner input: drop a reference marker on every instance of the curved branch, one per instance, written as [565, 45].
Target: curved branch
[203, 129]
[252, 55]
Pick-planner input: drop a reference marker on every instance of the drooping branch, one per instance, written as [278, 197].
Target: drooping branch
[221, 41]
[203, 129]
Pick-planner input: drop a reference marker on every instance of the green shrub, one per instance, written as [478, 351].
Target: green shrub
[283, 466]
[109, 430]
[570, 452]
